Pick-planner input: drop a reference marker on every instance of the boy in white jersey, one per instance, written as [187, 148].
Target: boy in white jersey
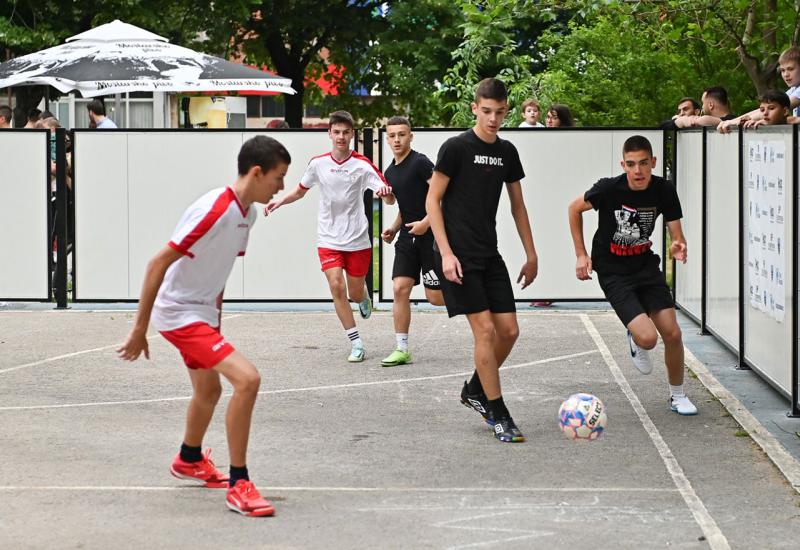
[183, 288]
[344, 246]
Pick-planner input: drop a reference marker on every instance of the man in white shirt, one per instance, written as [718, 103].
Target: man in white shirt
[343, 243]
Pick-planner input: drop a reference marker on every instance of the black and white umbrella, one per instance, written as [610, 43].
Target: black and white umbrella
[118, 57]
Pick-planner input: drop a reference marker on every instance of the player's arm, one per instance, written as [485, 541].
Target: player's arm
[520, 213]
[298, 193]
[678, 247]
[388, 234]
[726, 125]
[136, 342]
[433, 205]
[583, 264]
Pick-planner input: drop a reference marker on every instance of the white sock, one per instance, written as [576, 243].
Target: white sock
[402, 340]
[676, 391]
[355, 339]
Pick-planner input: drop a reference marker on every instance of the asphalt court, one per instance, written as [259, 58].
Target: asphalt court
[359, 456]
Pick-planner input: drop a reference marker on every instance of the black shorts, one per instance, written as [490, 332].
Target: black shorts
[632, 294]
[413, 255]
[486, 285]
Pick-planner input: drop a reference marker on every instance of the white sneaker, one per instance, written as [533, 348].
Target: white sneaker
[356, 355]
[640, 357]
[682, 405]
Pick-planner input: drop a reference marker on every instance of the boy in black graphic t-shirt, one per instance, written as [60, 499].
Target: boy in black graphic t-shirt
[462, 208]
[408, 174]
[627, 269]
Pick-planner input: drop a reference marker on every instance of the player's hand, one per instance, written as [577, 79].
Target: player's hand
[388, 235]
[272, 206]
[528, 272]
[134, 345]
[583, 268]
[384, 191]
[418, 228]
[451, 268]
[754, 123]
[726, 126]
[678, 250]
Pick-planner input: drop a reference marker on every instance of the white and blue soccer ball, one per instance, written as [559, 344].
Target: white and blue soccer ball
[582, 416]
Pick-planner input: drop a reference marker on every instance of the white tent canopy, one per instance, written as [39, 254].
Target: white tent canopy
[118, 57]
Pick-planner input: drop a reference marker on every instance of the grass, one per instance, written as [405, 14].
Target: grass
[741, 433]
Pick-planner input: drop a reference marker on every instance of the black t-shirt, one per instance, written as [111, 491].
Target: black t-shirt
[477, 171]
[409, 181]
[627, 219]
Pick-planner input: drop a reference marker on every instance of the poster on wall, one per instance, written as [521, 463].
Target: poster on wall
[766, 249]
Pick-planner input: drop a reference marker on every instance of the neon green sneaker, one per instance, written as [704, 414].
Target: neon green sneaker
[397, 357]
[356, 355]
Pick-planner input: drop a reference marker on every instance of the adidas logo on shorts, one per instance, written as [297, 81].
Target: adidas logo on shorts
[430, 278]
[218, 345]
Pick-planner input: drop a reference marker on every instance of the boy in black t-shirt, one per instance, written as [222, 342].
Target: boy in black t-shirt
[627, 269]
[462, 208]
[408, 174]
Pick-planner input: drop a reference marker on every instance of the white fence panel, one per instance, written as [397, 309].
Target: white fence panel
[722, 231]
[689, 180]
[24, 191]
[131, 188]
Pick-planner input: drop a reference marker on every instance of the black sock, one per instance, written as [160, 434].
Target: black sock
[191, 454]
[498, 408]
[474, 385]
[237, 473]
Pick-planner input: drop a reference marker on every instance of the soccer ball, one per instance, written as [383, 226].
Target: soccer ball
[582, 416]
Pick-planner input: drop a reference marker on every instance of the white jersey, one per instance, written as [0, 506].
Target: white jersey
[794, 92]
[211, 233]
[341, 221]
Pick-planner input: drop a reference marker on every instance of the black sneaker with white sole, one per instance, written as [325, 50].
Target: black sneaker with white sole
[477, 402]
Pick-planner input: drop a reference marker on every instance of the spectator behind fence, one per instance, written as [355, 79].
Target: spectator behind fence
[687, 106]
[532, 113]
[789, 63]
[280, 125]
[775, 108]
[97, 114]
[33, 117]
[5, 117]
[51, 123]
[559, 116]
[716, 108]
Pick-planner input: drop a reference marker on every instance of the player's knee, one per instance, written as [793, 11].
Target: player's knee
[249, 383]
[402, 289]
[508, 333]
[484, 333]
[647, 339]
[338, 287]
[672, 335]
[212, 394]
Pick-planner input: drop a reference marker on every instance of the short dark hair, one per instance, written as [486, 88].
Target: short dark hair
[637, 143]
[776, 96]
[398, 121]
[96, 106]
[695, 103]
[6, 112]
[491, 88]
[34, 114]
[341, 117]
[719, 94]
[46, 114]
[563, 113]
[262, 151]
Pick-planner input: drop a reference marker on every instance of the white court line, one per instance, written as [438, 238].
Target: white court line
[786, 463]
[296, 390]
[296, 489]
[82, 352]
[714, 536]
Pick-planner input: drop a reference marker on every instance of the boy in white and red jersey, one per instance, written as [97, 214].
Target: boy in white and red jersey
[344, 246]
[182, 290]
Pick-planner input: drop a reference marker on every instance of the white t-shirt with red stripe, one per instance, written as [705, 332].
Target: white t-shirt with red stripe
[211, 233]
[341, 222]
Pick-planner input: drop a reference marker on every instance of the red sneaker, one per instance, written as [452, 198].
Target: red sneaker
[245, 499]
[203, 470]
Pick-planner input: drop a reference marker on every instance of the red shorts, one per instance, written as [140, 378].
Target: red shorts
[201, 346]
[355, 262]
